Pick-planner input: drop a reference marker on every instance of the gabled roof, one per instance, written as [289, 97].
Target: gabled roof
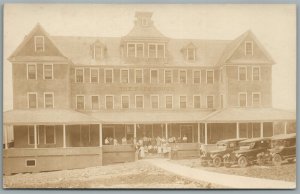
[15, 57]
[145, 32]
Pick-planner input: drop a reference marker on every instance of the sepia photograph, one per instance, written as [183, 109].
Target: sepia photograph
[149, 96]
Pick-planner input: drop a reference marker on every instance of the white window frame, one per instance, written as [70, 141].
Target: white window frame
[28, 71]
[36, 97]
[52, 93]
[157, 70]
[156, 50]
[171, 76]
[259, 74]
[166, 101]
[128, 101]
[91, 75]
[37, 135]
[194, 101]
[28, 160]
[46, 136]
[194, 54]
[51, 71]
[239, 73]
[136, 101]
[98, 108]
[124, 69]
[213, 97]
[135, 70]
[35, 37]
[79, 68]
[94, 51]
[259, 93]
[83, 102]
[152, 101]
[194, 76]
[240, 93]
[186, 103]
[246, 42]
[113, 102]
[112, 75]
[213, 78]
[186, 77]
[135, 49]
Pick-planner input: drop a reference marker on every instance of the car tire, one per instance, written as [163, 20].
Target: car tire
[217, 161]
[277, 160]
[242, 162]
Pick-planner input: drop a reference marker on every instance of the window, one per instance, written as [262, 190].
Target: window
[109, 102]
[256, 99]
[209, 76]
[210, 101]
[97, 54]
[31, 135]
[31, 71]
[243, 99]
[32, 100]
[138, 76]
[79, 75]
[131, 50]
[160, 51]
[30, 163]
[108, 76]
[49, 134]
[154, 102]
[48, 71]
[182, 76]
[39, 43]
[249, 48]
[94, 75]
[124, 76]
[154, 76]
[197, 77]
[48, 100]
[152, 51]
[139, 101]
[197, 103]
[125, 102]
[80, 102]
[256, 73]
[242, 73]
[221, 101]
[169, 102]
[140, 50]
[168, 76]
[182, 102]
[191, 54]
[95, 102]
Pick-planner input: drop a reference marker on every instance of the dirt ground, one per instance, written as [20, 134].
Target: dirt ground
[128, 175]
[285, 172]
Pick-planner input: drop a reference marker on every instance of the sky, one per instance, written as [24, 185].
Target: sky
[273, 25]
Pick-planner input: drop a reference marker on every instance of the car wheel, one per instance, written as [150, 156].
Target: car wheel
[217, 161]
[242, 161]
[277, 160]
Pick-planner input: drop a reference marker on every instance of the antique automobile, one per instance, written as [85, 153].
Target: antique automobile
[247, 153]
[215, 156]
[283, 148]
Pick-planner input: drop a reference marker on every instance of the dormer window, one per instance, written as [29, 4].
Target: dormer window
[249, 48]
[97, 50]
[135, 50]
[156, 50]
[191, 54]
[39, 44]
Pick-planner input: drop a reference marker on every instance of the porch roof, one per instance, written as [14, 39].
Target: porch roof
[150, 117]
[46, 116]
[250, 115]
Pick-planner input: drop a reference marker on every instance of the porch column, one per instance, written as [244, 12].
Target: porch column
[261, 129]
[5, 136]
[238, 130]
[166, 131]
[134, 133]
[35, 137]
[205, 133]
[198, 132]
[100, 135]
[64, 136]
[285, 127]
